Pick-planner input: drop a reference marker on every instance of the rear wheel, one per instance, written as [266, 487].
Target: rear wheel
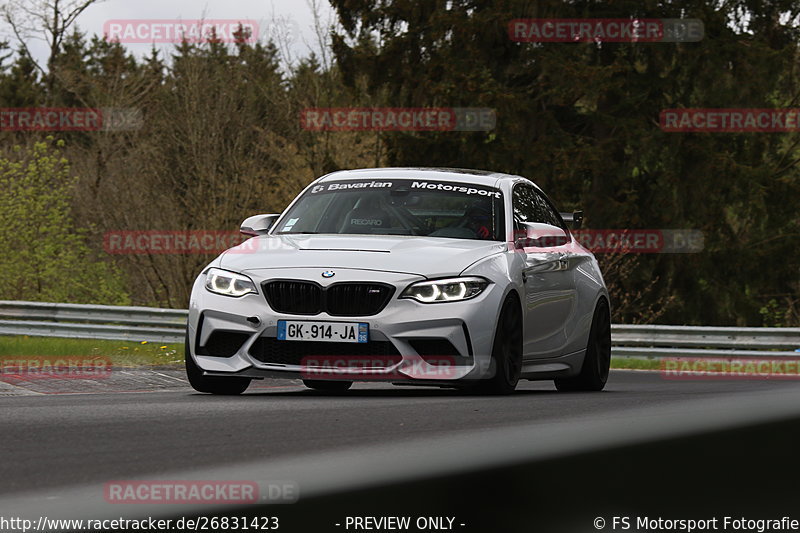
[327, 386]
[506, 351]
[596, 363]
[211, 384]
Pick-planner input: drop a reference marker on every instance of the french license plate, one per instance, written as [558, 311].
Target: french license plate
[301, 330]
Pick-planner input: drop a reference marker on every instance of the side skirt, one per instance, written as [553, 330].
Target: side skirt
[554, 367]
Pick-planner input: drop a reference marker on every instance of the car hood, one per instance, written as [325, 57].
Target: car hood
[424, 256]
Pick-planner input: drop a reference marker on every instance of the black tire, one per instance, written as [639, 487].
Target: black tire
[327, 386]
[596, 363]
[211, 384]
[506, 351]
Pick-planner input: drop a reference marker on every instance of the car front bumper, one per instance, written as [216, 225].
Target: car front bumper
[414, 332]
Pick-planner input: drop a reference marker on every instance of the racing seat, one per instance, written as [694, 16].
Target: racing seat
[366, 217]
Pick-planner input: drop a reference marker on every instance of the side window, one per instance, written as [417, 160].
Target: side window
[530, 206]
[523, 205]
[549, 216]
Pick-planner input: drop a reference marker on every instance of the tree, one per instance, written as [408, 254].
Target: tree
[581, 119]
[49, 258]
[48, 20]
[20, 84]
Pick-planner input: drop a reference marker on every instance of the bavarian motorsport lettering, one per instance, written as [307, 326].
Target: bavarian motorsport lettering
[468, 189]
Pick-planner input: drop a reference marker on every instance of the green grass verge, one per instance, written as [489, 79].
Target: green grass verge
[632, 363]
[121, 353]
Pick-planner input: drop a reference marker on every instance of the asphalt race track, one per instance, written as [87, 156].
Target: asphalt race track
[65, 439]
[53, 442]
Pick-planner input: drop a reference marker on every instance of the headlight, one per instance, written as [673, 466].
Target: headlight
[445, 290]
[229, 283]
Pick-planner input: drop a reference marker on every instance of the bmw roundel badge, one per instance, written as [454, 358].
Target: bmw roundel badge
[328, 274]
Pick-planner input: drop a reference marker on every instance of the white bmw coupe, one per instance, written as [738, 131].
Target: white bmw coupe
[415, 276]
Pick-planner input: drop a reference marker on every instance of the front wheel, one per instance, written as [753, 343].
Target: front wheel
[596, 363]
[506, 351]
[211, 384]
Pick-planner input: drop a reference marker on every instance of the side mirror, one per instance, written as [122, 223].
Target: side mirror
[258, 224]
[545, 241]
[540, 236]
[575, 218]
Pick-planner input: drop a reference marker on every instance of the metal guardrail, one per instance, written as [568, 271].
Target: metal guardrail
[703, 341]
[106, 322]
[152, 324]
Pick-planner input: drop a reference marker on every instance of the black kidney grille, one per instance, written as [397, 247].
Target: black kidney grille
[340, 299]
[294, 297]
[357, 299]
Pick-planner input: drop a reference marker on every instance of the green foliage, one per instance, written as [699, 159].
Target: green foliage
[581, 120]
[19, 82]
[772, 314]
[45, 256]
[221, 140]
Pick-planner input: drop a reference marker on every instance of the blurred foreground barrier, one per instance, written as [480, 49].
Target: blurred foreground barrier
[152, 324]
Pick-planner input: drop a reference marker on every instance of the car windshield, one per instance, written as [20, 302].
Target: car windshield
[398, 207]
